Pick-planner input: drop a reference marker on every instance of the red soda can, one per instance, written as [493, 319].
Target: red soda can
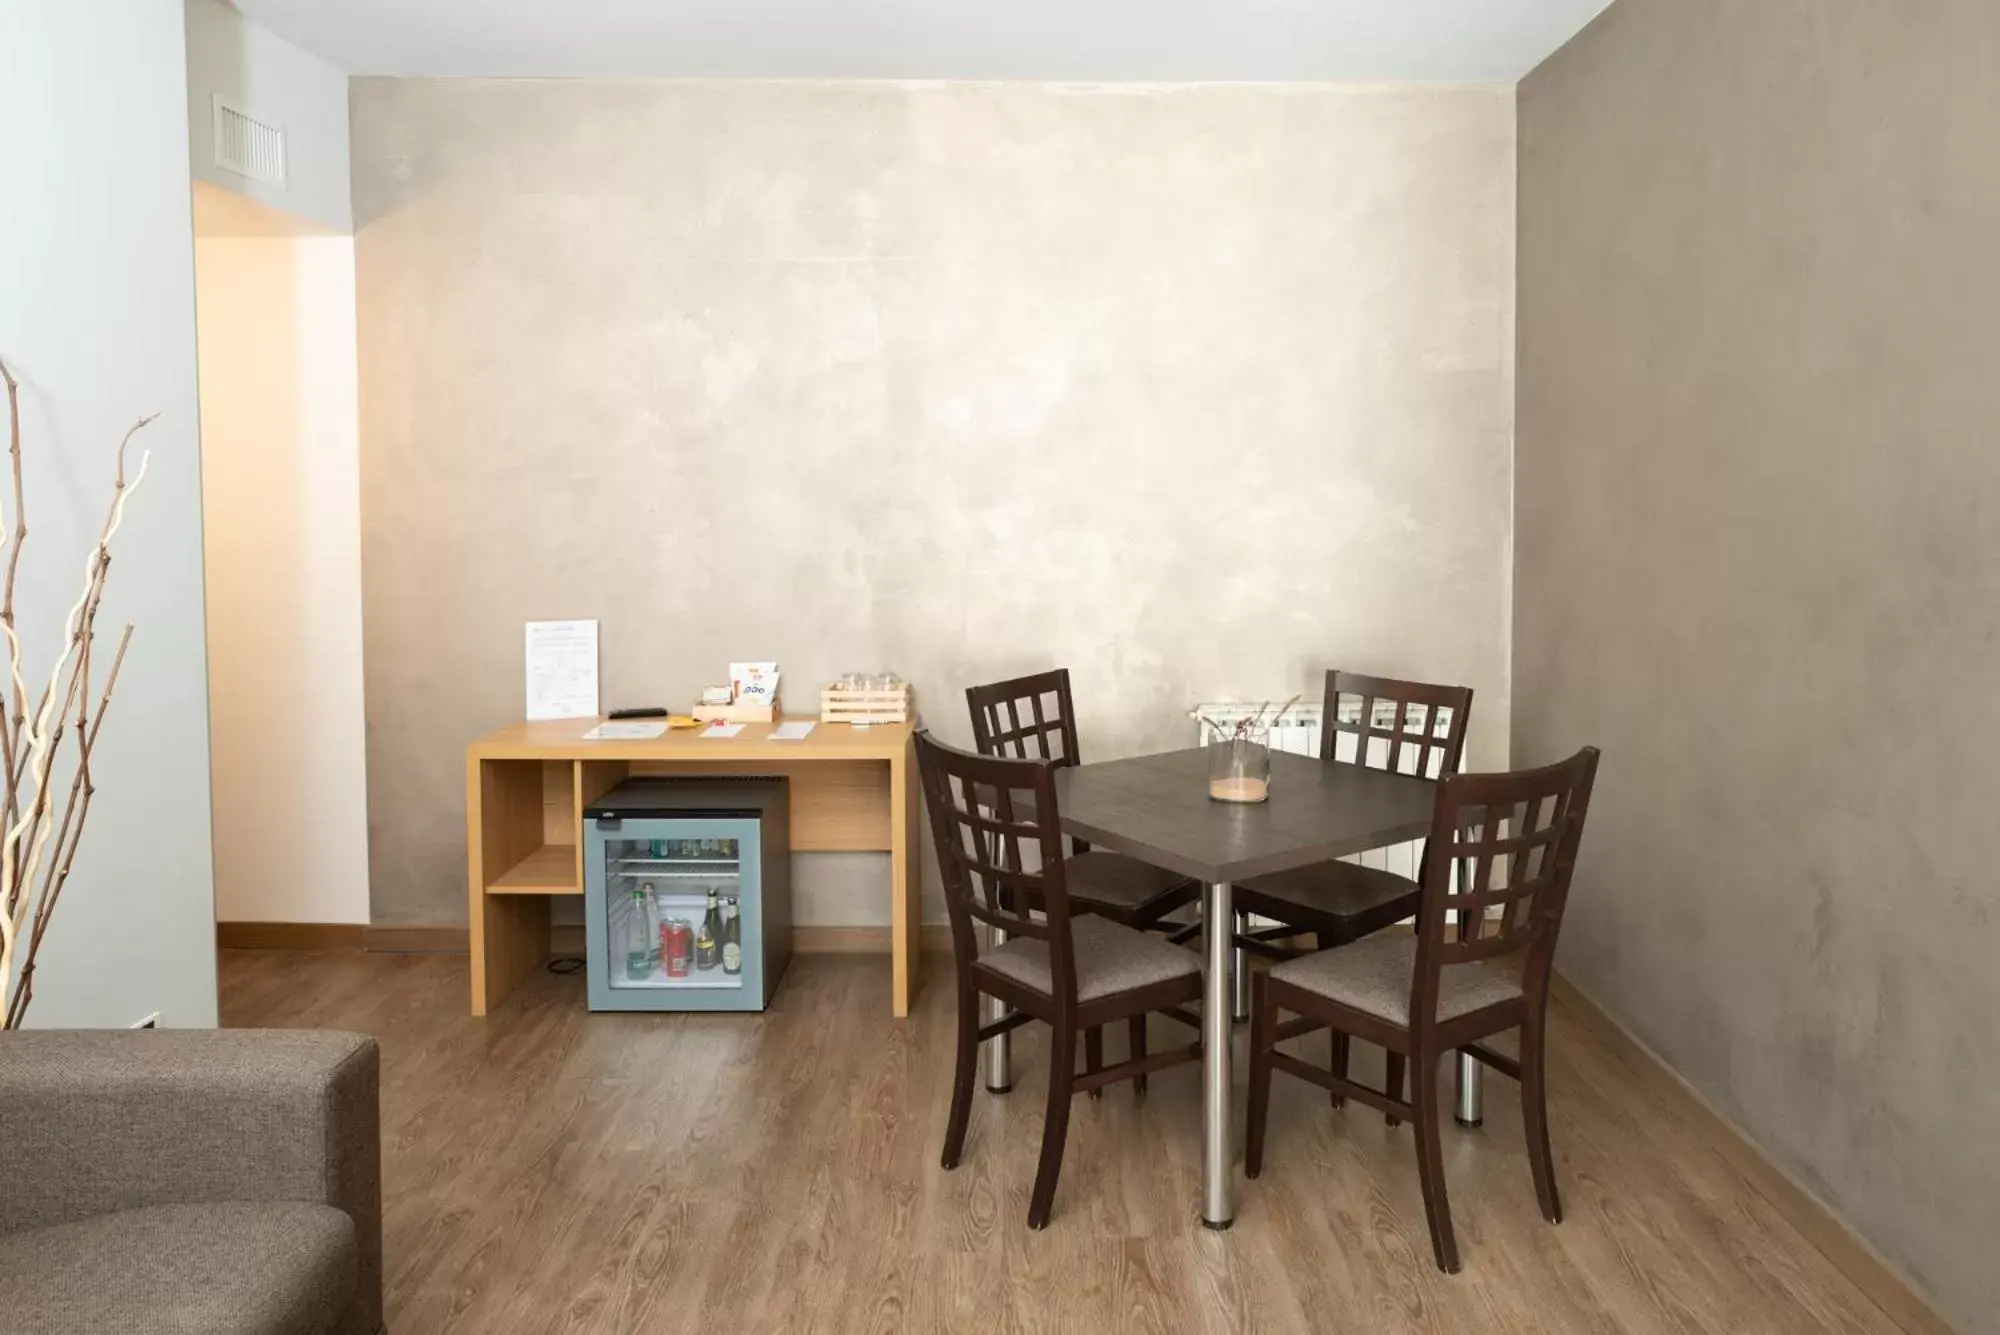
[677, 946]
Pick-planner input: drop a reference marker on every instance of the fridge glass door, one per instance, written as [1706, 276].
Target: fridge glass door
[673, 913]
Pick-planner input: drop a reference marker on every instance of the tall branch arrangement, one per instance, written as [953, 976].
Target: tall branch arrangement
[40, 825]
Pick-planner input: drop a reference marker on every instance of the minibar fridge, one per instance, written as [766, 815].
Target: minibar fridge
[687, 895]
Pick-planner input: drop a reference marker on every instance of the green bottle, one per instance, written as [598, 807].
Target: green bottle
[708, 941]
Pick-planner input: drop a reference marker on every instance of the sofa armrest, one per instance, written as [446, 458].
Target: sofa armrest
[112, 1120]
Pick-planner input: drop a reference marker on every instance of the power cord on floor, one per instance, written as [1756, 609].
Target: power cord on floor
[566, 964]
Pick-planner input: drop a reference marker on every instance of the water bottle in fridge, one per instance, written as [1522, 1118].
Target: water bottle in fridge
[652, 920]
[639, 944]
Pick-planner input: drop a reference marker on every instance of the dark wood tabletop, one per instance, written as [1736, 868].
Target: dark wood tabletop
[1157, 808]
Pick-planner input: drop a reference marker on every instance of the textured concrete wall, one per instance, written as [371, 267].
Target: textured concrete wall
[1756, 501]
[1196, 390]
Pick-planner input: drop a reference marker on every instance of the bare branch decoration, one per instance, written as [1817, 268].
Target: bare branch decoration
[1249, 725]
[33, 822]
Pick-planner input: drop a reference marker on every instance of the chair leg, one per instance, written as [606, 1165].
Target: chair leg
[1263, 1022]
[1430, 1162]
[1135, 1028]
[963, 1076]
[1535, 1116]
[1392, 1081]
[1055, 1125]
[1093, 1055]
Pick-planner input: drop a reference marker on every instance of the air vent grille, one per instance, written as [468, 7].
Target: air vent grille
[247, 146]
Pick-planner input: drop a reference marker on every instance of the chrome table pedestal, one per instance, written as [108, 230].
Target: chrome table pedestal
[1469, 1109]
[999, 1049]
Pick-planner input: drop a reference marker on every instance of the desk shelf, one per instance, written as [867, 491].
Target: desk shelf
[549, 870]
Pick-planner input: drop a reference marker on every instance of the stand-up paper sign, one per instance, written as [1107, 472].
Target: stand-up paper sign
[562, 669]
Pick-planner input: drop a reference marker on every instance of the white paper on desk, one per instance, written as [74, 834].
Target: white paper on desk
[791, 732]
[562, 669]
[624, 732]
[720, 730]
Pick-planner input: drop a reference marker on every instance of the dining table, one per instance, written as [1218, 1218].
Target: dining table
[1157, 808]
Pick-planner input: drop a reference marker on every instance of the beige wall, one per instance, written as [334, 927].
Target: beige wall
[281, 546]
[1756, 498]
[1197, 390]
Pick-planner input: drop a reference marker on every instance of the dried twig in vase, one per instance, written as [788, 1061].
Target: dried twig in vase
[1246, 727]
[10, 728]
[31, 743]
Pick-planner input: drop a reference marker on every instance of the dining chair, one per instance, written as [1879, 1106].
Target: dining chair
[1514, 838]
[1033, 718]
[1406, 727]
[1072, 972]
[1111, 885]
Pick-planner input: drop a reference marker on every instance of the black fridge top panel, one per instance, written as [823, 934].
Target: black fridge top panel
[716, 798]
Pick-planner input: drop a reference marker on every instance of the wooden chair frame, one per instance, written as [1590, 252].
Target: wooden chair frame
[1407, 699]
[999, 730]
[1492, 825]
[984, 812]
[1404, 697]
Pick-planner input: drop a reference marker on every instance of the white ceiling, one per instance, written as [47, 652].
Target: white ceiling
[1113, 40]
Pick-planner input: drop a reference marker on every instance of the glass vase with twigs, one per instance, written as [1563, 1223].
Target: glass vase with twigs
[1239, 754]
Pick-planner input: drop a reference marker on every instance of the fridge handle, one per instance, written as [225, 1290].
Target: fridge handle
[610, 822]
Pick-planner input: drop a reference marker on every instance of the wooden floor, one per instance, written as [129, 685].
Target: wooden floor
[551, 1170]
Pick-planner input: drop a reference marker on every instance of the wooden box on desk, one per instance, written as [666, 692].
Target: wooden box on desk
[737, 713]
[892, 704]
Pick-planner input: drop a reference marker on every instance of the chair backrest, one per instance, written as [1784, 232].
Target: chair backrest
[1420, 728]
[1513, 840]
[986, 813]
[1028, 718]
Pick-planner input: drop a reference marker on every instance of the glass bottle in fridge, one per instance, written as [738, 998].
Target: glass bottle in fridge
[640, 939]
[732, 941]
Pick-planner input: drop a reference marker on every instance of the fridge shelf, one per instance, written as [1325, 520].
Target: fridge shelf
[635, 861]
[714, 980]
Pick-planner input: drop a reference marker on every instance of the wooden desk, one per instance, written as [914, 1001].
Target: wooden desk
[526, 788]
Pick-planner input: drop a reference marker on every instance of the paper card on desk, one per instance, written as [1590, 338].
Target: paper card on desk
[624, 732]
[791, 732]
[562, 669]
[720, 730]
[754, 683]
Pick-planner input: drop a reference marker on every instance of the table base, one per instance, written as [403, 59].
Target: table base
[1218, 1154]
[999, 1049]
[1470, 1107]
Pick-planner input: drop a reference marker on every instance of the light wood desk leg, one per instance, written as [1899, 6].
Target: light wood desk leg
[475, 874]
[906, 881]
[507, 935]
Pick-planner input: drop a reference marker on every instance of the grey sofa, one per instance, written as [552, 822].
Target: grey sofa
[210, 1182]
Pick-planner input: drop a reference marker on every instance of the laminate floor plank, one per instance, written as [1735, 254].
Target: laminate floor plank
[549, 1170]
